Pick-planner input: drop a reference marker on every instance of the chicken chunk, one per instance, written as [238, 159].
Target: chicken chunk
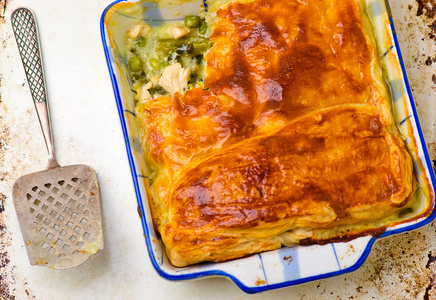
[180, 31]
[138, 30]
[143, 94]
[175, 78]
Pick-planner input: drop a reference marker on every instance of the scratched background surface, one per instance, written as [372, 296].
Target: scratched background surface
[86, 129]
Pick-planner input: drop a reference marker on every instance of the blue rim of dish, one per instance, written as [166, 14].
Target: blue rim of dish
[288, 283]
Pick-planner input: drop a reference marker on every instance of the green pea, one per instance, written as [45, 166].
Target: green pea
[192, 21]
[155, 64]
[203, 28]
[140, 41]
[135, 64]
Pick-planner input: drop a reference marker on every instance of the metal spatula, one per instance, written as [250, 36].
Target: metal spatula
[58, 209]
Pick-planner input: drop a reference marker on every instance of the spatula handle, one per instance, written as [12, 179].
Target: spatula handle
[26, 34]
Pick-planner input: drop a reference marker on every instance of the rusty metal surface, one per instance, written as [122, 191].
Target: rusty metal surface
[6, 274]
[399, 267]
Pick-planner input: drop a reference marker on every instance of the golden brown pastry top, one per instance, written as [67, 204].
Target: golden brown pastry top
[293, 134]
[281, 59]
[332, 166]
[265, 69]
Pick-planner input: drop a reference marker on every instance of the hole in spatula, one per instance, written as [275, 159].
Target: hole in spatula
[47, 185]
[86, 235]
[36, 202]
[61, 182]
[44, 245]
[28, 196]
[35, 188]
[63, 232]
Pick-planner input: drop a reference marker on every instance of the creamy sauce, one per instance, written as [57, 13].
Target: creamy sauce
[150, 53]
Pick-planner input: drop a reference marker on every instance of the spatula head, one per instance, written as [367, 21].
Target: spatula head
[59, 214]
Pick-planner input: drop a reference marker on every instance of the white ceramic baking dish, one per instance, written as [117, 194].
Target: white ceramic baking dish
[285, 266]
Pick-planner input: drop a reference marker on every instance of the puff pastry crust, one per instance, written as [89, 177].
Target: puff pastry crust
[292, 140]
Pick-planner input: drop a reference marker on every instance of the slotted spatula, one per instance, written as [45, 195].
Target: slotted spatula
[58, 209]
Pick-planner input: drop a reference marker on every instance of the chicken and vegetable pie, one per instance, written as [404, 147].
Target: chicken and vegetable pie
[264, 124]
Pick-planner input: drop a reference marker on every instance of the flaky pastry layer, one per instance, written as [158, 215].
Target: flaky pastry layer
[292, 134]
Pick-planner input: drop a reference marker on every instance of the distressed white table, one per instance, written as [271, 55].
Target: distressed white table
[87, 130]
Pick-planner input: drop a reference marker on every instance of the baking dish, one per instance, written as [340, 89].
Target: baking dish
[286, 266]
